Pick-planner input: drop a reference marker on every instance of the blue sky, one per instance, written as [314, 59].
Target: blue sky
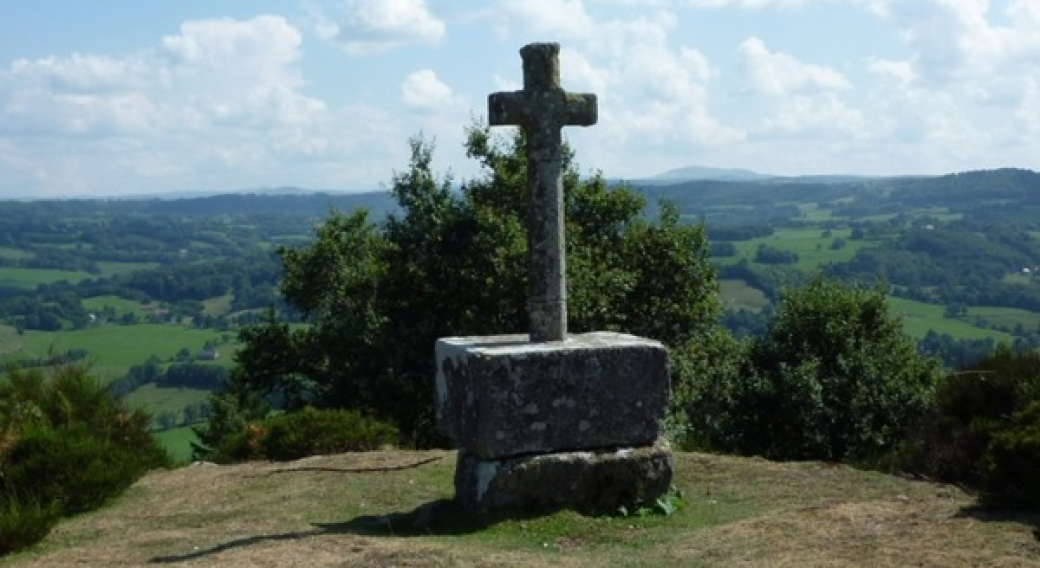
[121, 97]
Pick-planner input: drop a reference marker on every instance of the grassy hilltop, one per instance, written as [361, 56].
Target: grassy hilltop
[355, 510]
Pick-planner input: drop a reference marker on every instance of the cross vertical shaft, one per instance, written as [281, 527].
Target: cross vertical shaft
[542, 108]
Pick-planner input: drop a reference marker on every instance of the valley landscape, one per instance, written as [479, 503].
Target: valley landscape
[125, 284]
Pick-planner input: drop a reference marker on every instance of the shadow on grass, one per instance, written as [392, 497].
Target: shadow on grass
[1002, 512]
[242, 543]
[436, 518]
[443, 517]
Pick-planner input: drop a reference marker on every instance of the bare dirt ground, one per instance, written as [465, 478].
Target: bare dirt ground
[370, 510]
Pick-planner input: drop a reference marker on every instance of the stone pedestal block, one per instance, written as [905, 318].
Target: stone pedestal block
[590, 481]
[502, 396]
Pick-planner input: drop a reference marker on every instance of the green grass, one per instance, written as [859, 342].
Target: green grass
[30, 278]
[177, 442]
[940, 213]
[361, 510]
[1018, 278]
[813, 212]
[737, 295]
[155, 400]
[115, 348]
[112, 268]
[11, 253]
[10, 341]
[812, 248]
[218, 306]
[1006, 317]
[120, 305]
[919, 317]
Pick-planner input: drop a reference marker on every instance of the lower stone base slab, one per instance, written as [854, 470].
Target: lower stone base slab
[595, 481]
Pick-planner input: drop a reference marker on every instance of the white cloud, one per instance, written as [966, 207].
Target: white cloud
[653, 94]
[776, 73]
[1028, 112]
[219, 95]
[900, 71]
[424, 92]
[376, 26]
[821, 114]
[652, 88]
[956, 40]
[543, 18]
[967, 90]
[715, 4]
[267, 41]
[754, 4]
[796, 99]
[78, 73]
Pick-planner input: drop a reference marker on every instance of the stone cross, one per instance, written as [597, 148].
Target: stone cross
[542, 109]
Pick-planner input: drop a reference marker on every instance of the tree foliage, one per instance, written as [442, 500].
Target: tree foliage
[452, 261]
[834, 378]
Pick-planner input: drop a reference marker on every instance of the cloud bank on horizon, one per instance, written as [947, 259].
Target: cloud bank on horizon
[122, 98]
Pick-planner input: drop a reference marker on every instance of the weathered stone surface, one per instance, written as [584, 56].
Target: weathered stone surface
[501, 396]
[590, 481]
[542, 109]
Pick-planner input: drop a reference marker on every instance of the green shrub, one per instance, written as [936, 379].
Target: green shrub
[1011, 464]
[72, 467]
[24, 523]
[704, 372]
[244, 445]
[834, 378]
[224, 436]
[310, 431]
[306, 432]
[65, 447]
[971, 407]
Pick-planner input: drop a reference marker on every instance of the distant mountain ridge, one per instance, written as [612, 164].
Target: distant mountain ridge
[704, 173]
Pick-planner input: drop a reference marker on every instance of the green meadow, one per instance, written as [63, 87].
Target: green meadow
[14, 254]
[919, 317]
[30, 278]
[737, 295]
[10, 341]
[1006, 317]
[120, 305]
[812, 247]
[177, 442]
[155, 400]
[113, 349]
[218, 306]
[113, 268]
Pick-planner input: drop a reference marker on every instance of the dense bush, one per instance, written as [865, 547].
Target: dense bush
[305, 432]
[703, 371]
[834, 378]
[1011, 464]
[982, 432]
[310, 431]
[66, 445]
[23, 524]
[71, 466]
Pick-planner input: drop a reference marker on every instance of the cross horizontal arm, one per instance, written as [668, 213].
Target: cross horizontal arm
[581, 109]
[507, 108]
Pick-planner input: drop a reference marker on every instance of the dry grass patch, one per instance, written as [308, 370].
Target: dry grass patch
[359, 510]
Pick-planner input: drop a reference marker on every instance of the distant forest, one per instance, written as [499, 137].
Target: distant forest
[957, 241]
